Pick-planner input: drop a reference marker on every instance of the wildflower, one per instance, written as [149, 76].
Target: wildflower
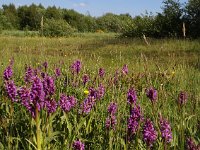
[26, 100]
[36, 72]
[78, 145]
[182, 98]
[24, 95]
[116, 77]
[100, 91]
[45, 64]
[43, 75]
[67, 102]
[37, 93]
[125, 69]
[85, 79]
[173, 73]
[191, 144]
[7, 73]
[76, 67]
[111, 122]
[112, 108]
[149, 133]
[134, 119]
[165, 129]
[49, 85]
[152, 94]
[87, 105]
[131, 96]
[11, 90]
[51, 105]
[28, 75]
[86, 92]
[93, 92]
[57, 72]
[101, 72]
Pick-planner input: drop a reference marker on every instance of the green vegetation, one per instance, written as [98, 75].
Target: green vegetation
[54, 28]
[167, 23]
[162, 69]
[169, 65]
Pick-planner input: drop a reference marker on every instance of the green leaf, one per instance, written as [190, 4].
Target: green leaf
[31, 144]
[51, 137]
[123, 143]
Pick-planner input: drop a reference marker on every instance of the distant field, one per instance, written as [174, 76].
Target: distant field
[170, 65]
[102, 49]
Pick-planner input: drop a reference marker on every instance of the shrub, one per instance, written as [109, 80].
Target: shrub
[55, 28]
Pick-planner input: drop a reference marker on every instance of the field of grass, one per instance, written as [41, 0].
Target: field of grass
[168, 65]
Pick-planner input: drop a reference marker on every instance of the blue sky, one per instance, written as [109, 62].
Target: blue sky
[98, 7]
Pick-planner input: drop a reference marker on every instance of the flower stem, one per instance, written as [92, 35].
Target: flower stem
[37, 119]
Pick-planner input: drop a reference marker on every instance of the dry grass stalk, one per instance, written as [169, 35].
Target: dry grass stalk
[145, 39]
[184, 30]
[42, 24]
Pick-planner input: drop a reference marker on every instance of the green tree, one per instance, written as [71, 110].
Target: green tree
[4, 22]
[171, 19]
[79, 21]
[53, 13]
[193, 18]
[30, 16]
[141, 25]
[10, 12]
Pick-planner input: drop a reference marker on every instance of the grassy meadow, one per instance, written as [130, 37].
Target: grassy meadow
[168, 65]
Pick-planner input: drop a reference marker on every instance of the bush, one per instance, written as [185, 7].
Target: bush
[55, 28]
[139, 26]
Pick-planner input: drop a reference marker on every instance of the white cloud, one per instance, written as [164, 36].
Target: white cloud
[80, 4]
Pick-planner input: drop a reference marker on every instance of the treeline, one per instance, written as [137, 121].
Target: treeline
[53, 21]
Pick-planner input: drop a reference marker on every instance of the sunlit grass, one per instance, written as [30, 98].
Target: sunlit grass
[169, 65]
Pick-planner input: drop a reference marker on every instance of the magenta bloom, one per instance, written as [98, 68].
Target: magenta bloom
[182, 98]
[67, 102]
[149, 133]
[85, 78]
[93, 92]
[76, 67]
[24, 95]
[51, 105]
[11, 90]
[49, 85]
[29, 74]
[26, 100]
[57, 72]
[111, 122]
[134, 119]
[116, 77]
[191, 144]
[45, 64]
[87, 105]
[112, 108]
[37, 93]
[100, 91]
[7, 73]
[131, 96]
[78, 145]
[101, 72]
[165, 129]
[125, 69]
[152, 94]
